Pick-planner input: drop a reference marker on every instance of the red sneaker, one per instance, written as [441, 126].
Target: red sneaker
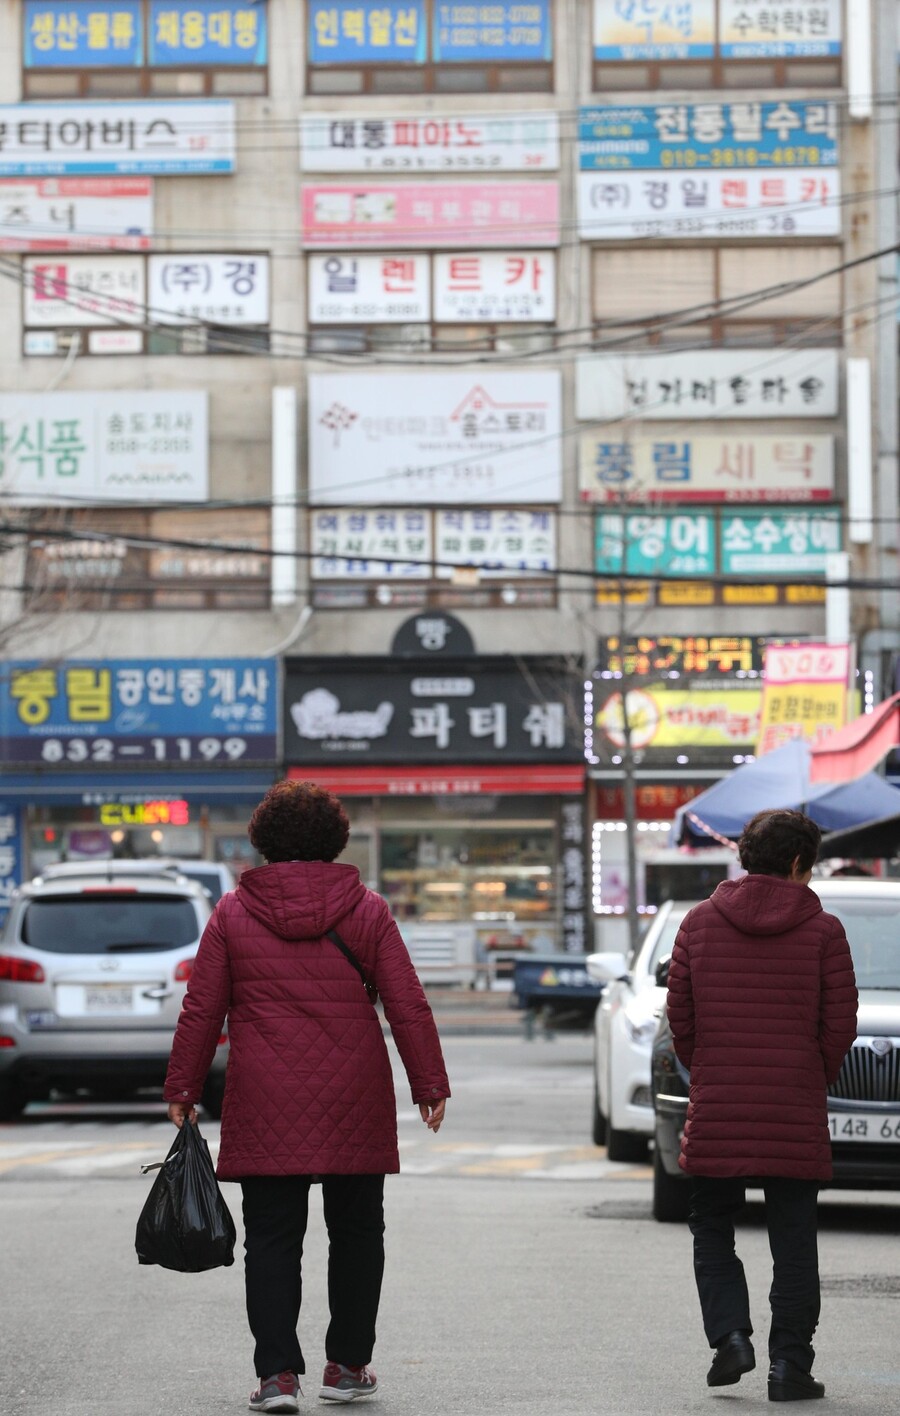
[340, 1383]
[278, 1393]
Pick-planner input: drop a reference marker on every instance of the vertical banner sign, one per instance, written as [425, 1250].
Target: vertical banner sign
[366, 32]
[574, 935]
[804, 693]
[82, 34]
[11, 853]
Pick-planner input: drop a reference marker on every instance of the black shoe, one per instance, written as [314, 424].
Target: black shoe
[734, 1356]
[790, 1383]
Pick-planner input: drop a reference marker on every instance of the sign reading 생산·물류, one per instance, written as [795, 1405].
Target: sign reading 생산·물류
[480, 437]
[123, 446]
[129, 136]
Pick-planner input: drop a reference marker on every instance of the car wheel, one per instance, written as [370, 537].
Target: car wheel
[598, 1130]
[625, 1145]
[212, 1098]
[671, 1195]
[13, 1101]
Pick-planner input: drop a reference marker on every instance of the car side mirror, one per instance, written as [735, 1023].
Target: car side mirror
[607, 967]
[662, 972]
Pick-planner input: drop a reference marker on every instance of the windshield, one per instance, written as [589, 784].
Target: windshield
[109, 924]
[665, 942]
[209, 879]
[871, 927]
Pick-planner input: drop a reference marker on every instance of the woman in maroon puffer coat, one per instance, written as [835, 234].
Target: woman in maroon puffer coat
[309, 1092]
[762, 1006]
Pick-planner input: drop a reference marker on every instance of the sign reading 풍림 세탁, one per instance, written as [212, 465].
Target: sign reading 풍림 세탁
[139, 712]
[85, 447]
[129, 136]
[705, 469]
[331, 142]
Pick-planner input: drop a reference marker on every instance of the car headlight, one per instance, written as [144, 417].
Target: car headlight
[642, 1032]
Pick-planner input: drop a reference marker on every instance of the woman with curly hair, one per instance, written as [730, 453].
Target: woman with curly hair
[292, 959]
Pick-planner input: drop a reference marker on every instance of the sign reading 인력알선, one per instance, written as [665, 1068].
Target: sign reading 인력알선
[805, 690]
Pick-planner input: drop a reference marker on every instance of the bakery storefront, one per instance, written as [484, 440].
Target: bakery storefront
[463, 778]
[133, 758]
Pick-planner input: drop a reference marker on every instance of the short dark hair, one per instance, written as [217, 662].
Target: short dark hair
[299, 821]
[773, 840]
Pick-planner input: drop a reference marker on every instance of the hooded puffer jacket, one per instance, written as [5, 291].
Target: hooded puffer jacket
[308, 1086]
[762, 1007]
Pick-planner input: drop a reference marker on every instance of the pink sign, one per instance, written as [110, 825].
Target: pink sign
[399, 214]
[76, 213]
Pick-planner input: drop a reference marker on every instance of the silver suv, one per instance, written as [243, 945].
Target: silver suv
[94, 962]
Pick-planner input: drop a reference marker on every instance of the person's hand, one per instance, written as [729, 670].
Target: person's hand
[432, 1113]
[178, 1110]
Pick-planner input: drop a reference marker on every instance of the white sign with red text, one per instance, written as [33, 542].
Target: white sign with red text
[82, 291]
[501, 286]
[369, 289]
[76, 213]
[333, 142]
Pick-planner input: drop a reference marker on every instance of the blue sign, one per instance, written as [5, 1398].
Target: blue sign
[221, 32]
[12, 851]
[82, 34]
[135, 712]
[478, 34]
[366, 32]
[661, 543]
[741, 134]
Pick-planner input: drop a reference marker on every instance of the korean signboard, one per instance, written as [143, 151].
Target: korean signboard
[491, 34]
[12, 853]
[705, 469]
[804, 693]
[695, 656]
[499, 287]
[645, 29]
[716, 717]
[367, 32]
[520, 143]
[778, 543]
[60, 291]
[625, 206]
[139, 711]
[218, 32]
[709, 136]
[369, 289]
[451, 437]
[472, 710]
[124, 446]
[76, 213]
[712, 384]
[60, 139]
[499, 543]
[755, 29]
[431, 214]
[82, 34]
[371, 545]
[221, 289]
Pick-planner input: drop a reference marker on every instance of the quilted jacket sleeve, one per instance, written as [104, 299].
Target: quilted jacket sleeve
[680, 1003]
[839, 1000]
[202, 1015]
[409, 1016]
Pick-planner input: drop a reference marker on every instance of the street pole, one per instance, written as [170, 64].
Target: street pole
[629, 802]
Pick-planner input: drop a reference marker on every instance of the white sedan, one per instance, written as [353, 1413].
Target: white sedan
[624, 1028]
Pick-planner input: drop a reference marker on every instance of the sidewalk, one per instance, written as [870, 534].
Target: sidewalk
[460, 1012]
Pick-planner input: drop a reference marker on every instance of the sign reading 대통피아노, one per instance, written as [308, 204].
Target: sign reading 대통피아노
[412, 143]
[139, 711]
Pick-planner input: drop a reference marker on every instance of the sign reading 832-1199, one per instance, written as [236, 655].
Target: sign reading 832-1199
[139, 711]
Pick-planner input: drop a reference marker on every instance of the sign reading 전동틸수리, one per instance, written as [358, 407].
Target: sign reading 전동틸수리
[708, 136]
[125, 446]
[138, 712]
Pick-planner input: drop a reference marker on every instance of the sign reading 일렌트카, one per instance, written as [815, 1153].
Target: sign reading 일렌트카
[84, 447]
[732, 383]
[407, 437]
[414, 143]
[451, 710]
[142, 712]
[76, 139]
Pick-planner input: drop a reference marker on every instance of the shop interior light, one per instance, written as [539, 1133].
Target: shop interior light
[117, 837]
[445, 887]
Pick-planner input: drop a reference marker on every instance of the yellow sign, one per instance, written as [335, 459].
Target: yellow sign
[804, 693]
[686, 592]
[750, 594]
[609, 592]
[697, 717]
[805, 594]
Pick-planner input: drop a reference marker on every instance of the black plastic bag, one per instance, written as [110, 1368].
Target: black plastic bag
[185, 1224]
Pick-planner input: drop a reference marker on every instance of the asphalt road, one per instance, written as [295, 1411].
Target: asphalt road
[525, 1273]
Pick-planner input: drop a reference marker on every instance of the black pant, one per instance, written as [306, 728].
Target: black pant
[794, 1296]
[276, 1209]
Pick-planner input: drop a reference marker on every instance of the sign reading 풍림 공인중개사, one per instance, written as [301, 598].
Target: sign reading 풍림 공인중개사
[331, 142]
[124, 446]
[709, 468]
[122, 138]
[139, 712]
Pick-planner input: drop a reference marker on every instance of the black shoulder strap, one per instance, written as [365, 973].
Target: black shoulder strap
[351, 958]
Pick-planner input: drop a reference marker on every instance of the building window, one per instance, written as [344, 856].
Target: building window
[716, 44]
[427, 46]
[154, 48]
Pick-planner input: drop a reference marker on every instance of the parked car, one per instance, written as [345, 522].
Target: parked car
[93, 970]
[864, 1102]
[624, 1028]
[214, 875]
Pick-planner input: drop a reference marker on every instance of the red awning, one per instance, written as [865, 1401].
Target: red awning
[519, 780]
[850, 752]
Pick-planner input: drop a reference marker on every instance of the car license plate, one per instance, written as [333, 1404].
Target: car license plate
[863, 1126]
[108, 998]
[40, 1018]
